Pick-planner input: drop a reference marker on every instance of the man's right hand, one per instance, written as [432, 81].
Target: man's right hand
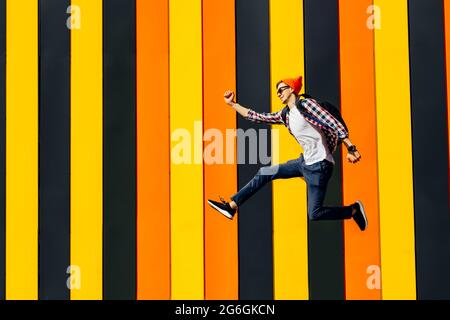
[228, 96]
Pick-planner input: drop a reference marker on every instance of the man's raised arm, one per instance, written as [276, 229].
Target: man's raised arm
[249, 114]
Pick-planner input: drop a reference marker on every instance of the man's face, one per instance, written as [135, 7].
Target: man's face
[283, 92]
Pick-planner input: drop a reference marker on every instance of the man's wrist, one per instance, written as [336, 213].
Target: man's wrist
[351, 148]
[346, 141]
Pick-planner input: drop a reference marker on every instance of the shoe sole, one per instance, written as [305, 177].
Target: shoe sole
[225, 213]
[361, 206]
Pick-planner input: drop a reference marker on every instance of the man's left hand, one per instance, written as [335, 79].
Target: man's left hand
[353, 157]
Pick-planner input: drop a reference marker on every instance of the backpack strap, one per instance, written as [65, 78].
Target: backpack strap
[331, 108]
[305, 95]
[297, 103]
[283, 113]
[335, 112]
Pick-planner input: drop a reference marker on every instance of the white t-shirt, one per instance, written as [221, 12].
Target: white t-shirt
[310, 138]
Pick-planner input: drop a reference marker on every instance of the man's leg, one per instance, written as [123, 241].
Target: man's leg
[286, 170]
[317, 181]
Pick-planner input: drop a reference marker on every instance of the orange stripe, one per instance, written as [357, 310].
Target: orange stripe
[362, 249]
[447, 57]
[153, 147]
[221, 248]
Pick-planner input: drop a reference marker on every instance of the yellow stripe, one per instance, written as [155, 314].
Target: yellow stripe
[22, 150]
[289, 196]
[186, 179]
[86, 152]
[395, 152]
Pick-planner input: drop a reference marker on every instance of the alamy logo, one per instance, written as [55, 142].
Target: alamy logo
[253, 146]
[374, 20]
[74, 280]
[374, 279]
[74, 21]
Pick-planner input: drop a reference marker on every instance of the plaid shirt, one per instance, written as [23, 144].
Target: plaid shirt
[314, 114]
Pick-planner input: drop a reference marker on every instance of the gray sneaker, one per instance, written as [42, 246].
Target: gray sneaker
[360, 216]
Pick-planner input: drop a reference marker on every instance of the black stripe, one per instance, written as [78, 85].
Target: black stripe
[253, 90]
[2, 146]
[54, 149]
[430, 148]
[325, 238]
[119, 149]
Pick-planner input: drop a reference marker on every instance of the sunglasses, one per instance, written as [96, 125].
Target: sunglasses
[281, 89]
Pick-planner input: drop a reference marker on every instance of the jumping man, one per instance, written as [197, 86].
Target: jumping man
[318, 132]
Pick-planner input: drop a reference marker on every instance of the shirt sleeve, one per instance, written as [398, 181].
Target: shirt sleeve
[273, 118]
[325, 117]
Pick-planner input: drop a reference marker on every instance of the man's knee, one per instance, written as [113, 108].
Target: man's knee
[268, 172]
[314, 214]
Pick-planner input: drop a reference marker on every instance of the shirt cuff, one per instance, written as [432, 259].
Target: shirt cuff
[250, 114]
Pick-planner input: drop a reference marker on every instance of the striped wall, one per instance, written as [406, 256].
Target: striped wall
[326, 239]
[395, 177]
[153, 186]
[2, 147]
[54, 150]
[290, 229]
[358, 108]
[113, 134]
[253, 89]
[21, 154]
[219, 71]
[86, 152]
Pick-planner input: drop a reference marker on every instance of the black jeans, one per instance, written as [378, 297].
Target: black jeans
[316, 176]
